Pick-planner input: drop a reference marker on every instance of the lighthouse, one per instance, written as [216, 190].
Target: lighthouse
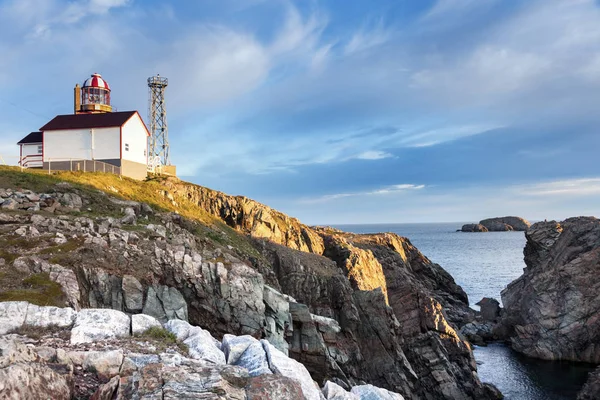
[93, 96]
[91, 139]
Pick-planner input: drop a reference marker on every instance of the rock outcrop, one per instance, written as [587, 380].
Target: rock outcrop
[553, 311]
[499, 224]
[152, 365]
[353, 309]
[591, 389]
[473, 228]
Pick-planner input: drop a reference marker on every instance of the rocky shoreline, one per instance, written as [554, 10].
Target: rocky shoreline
[353, 309]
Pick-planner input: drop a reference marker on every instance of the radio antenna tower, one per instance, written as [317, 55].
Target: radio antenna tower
[157, 114]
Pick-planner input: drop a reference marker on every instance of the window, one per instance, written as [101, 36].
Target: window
[126, 146]
[40, 149]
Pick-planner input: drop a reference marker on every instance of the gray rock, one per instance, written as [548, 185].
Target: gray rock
[106, 363]
[201, 344]
[99, 324]
[50, 316]
[133, 293]
[551, 311]
[506, 223]
[140, 323]
[33, 381]
[165, 303]
[9, 204]
[473, 228]
[370, 392]
[490, 309]
[71, 200]
[254, 360]
[281, 364]
[331, 391]
[273, 387]
[129, 218]
[12, 315]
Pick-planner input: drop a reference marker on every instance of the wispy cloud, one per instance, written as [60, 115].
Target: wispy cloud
[567, 187]
[387, 190]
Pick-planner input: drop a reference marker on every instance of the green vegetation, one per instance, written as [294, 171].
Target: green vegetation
[37, 288]
[163, 339]
[96, 186]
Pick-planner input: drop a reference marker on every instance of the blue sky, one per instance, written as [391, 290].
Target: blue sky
[375, 111]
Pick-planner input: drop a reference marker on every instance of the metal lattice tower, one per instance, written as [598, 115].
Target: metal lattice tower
[157, 114]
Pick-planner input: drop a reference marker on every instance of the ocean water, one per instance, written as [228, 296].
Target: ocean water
[483, 264]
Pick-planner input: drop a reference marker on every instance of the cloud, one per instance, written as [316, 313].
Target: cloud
[367, 38]
[569, 187]
[387, 190]
[373, 155]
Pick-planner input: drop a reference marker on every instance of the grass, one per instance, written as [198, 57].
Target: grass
[38, 332]
[163, 339]
[97, 185]
[36, 289]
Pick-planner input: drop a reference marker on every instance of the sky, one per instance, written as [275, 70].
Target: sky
[336, 112]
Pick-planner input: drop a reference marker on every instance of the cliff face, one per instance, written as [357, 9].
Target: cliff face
[552, 311]
[426, 305]
[351, 308]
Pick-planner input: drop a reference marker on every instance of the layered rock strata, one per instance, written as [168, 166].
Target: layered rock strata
[553, 311]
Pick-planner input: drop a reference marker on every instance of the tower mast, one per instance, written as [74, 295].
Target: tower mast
[157, 115]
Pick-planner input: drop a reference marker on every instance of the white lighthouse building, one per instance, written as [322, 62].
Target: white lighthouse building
[93, 138]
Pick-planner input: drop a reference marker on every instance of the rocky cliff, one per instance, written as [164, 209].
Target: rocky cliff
[553, 311]
[353, 309]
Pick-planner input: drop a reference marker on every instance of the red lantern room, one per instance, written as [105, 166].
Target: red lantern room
[93, 96]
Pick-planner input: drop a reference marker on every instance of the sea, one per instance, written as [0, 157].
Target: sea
[484, 264]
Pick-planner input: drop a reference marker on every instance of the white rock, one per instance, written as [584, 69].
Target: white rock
[254, 360]
[234, 346]
[99, 324]
[333, 391]
[12, 315]
[281, 364]
[106, 363]
[201, 344]
[49, 316]
[140, 323]
[370, 392]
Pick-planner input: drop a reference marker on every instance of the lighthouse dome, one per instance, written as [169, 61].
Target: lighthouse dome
[96, 81]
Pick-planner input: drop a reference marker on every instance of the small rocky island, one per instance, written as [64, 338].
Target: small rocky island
[498, 224]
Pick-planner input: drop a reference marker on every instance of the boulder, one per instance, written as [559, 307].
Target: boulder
[201, 344]
[591, 389]
[133, 293]
[140, 323]
[489, 308]
[50, 316]
[332, 391]
[9, 204]
[99, 324]
[254, 360]
[280, 364]
[473, 228]
[370, 392]
[273, 387]
[553, 310]
[33, 381]
[105, 363]
[12, 315]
